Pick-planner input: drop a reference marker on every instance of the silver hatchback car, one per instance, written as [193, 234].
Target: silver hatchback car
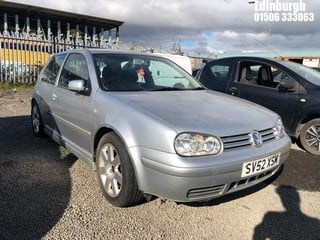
[149, 128]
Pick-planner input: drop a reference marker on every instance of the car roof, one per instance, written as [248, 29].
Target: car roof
[248, 58]
[104, 50]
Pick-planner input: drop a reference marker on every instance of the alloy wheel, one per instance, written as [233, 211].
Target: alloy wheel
[110, 170]
[313, 137]
[35, 119]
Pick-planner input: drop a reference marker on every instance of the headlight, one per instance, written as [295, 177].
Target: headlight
[195, 144]
[278, 129]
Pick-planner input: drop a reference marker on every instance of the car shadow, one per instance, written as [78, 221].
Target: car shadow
[301, 171]
[289, 224]
[35, 183]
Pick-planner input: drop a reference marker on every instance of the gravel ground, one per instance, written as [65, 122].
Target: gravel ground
[47, 194]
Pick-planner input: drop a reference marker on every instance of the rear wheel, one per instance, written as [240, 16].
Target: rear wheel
[115, 172]
[310, 136]
[36, 120]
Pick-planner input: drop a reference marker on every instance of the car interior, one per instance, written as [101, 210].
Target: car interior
[258, 74]
[125, 73]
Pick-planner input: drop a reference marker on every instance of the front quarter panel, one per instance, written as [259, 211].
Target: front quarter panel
[133, 126]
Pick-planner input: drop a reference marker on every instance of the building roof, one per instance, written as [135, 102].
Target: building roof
[45, 14]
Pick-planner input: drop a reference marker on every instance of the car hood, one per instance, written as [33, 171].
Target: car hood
[203, 111]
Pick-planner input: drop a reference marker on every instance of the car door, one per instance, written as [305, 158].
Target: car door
[72, 110]
[258, 82]
[48, 79]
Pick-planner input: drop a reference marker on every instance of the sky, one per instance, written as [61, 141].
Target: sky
[207, 27]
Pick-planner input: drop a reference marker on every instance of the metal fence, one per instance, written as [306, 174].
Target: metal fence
[22, 57]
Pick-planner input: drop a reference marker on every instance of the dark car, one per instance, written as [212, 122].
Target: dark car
[290, 89]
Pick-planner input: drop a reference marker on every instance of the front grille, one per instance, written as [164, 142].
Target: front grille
[243, 183]
[220, 190]
[243, 140]
[206, 192]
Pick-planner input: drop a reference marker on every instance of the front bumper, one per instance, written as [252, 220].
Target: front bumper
[187, 179]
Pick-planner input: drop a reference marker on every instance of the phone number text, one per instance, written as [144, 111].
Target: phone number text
[283, 17]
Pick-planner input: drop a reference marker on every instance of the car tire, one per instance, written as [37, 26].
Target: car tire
[36, 120]
[310, 136]
[115, 173]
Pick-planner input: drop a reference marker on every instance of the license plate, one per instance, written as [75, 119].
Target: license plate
[260, 165]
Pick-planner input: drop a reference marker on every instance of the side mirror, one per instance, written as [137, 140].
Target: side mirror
[286, 83]
[76, 85]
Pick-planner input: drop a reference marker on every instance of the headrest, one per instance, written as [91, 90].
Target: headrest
[249, 74]
[129, 76]
[264, 73]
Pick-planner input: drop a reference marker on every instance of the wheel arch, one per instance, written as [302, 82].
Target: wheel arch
[135, 194]
[304, 121]
[99, 134]
[34, 101]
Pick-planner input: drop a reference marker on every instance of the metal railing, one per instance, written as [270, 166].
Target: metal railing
[23, 56]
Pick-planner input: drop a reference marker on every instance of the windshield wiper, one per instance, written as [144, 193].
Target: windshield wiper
[178, 89]
[197, 88]
[169, 89]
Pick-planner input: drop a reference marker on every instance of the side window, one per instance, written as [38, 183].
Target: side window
[221, 71]
[51, 70]
[75, 68]
[258, 74]
[248, 73]
[216, 73]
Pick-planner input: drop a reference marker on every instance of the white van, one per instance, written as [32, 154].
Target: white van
[182, 61]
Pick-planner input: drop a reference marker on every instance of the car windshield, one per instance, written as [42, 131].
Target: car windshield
[307, 73]
[133, 72]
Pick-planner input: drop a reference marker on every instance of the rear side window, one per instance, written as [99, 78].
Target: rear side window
[52, 69]
[221, 71]
[216, 73]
